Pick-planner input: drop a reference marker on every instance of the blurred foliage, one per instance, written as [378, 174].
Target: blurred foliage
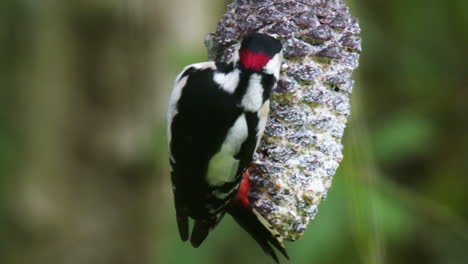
[400, 193]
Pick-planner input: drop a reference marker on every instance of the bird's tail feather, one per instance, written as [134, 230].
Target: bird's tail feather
[202, 228]
[259, 228]
[183, 225]
[199, 233]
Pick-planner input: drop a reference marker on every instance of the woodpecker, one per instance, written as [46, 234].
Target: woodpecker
[217, 114]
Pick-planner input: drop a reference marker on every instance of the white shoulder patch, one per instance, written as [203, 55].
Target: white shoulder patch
[223, 166]
[198, 66]
[228, 81]
[253, 98]
[262, 120]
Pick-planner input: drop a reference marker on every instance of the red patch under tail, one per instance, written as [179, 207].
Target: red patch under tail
[243, 193]
[251, 221]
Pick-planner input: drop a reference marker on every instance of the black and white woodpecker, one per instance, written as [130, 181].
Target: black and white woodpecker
[216, 117]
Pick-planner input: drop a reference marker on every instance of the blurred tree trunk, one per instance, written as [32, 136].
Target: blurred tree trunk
[83, 191]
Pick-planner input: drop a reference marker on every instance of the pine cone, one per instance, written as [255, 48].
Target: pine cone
[301, 148]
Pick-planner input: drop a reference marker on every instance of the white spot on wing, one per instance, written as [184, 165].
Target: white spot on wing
[253, 98]
[229, 81]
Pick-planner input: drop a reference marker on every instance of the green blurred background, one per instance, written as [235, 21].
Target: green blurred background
[83, 171]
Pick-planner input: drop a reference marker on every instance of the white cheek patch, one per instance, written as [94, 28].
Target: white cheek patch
[253, 98]
[274, 65]
[229, 81]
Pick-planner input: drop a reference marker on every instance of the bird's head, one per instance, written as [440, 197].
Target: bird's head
[260, 52]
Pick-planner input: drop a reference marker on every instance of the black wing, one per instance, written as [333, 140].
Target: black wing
[203, 116]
